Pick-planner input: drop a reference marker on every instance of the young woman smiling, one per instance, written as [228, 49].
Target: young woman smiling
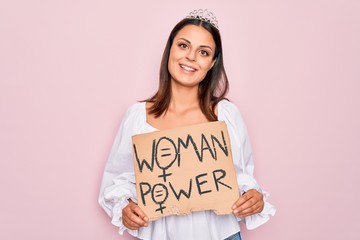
[192, 89]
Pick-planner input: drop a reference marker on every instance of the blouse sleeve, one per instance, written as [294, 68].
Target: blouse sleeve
[243, 161]
[118, 183]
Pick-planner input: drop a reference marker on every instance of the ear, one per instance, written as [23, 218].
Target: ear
[213, 62]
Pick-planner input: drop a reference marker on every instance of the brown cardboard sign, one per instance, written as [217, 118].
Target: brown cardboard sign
[185, 169]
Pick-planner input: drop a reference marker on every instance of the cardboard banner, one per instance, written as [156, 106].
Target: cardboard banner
[185, 169]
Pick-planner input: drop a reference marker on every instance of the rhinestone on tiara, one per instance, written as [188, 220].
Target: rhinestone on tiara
[204, 15]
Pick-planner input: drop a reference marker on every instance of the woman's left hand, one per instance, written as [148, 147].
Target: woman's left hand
[248, 204]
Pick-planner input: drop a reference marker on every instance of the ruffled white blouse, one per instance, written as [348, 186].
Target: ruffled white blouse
[118, 183]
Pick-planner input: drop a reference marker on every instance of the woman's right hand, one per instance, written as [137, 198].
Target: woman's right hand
[133, 217]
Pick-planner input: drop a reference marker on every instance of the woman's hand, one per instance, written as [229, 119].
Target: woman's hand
[133, 217]
[248, 204]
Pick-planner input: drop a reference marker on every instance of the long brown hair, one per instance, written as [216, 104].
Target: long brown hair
[212, 89]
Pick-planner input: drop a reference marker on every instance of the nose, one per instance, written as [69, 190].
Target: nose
[191, 55]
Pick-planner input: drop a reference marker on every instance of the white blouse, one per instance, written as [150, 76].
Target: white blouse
[118, 183]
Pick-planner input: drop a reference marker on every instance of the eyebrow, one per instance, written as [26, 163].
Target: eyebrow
[203, 46]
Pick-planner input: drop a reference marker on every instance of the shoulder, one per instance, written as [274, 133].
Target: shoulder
[137, 107]
[227, 106]
[135, 114]
[230, 113]
[227, 109]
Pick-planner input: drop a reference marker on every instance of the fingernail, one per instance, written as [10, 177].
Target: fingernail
[233, 207]
[235, 211]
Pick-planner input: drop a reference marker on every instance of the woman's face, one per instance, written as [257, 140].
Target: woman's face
[191, 55]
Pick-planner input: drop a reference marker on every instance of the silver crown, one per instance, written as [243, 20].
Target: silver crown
[204, 15]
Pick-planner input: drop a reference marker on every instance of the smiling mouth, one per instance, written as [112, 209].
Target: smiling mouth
[187, 68]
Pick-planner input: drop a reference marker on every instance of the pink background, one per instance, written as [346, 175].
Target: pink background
[69, 69]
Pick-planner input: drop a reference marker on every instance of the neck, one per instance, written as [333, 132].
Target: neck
[183, 98]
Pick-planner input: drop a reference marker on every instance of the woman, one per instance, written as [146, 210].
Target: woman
[192, 90]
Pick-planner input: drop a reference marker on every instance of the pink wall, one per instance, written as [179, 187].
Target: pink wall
[69, 69]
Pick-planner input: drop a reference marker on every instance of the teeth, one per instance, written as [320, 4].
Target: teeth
[187, 68]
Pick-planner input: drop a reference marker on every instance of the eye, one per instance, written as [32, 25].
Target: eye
[204, 53]
[182, 45]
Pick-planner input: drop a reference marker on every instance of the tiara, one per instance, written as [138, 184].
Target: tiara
[204, 15]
